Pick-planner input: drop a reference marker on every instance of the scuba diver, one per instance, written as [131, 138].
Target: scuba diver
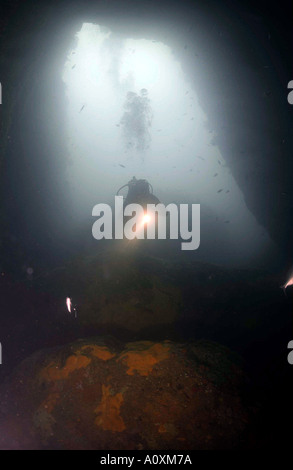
[139, 192]
[137, 120]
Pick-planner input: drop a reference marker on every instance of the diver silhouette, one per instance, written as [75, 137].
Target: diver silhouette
[139, 192]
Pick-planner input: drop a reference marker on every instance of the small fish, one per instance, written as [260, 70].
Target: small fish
[68, 304]
[197, 156]
[122, 166]
[81, 108]
[220, 190]
[228, 190]
[70, 307]
[216, 174]
[73, 66]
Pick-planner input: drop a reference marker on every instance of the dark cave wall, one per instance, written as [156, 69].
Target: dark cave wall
[243, 57]
[36, 214]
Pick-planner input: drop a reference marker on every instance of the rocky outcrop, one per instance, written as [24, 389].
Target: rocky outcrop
[100, 394]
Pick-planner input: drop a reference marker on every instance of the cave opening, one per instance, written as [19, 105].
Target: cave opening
[173, 147]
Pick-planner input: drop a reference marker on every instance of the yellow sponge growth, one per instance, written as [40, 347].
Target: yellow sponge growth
[101, 352]
[53, 372]
[108, 411]
[143, 361]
